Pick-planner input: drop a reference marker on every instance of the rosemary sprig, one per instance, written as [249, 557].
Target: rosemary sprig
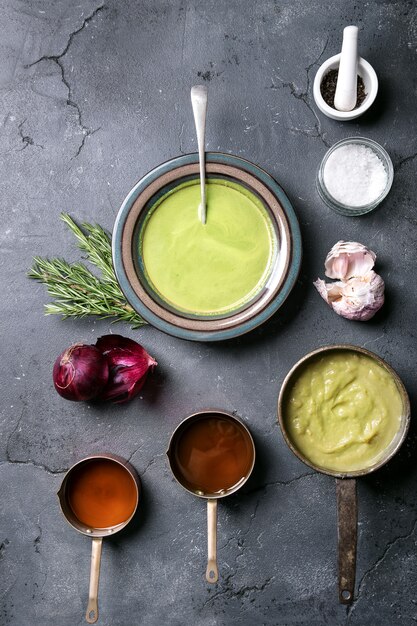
[76, 290]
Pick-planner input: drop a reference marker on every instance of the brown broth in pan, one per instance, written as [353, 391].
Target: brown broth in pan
[101, 493]
[212, 454]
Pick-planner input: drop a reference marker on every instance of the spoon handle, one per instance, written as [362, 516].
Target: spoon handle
[212, 574]
[199, 104]
[91, 615]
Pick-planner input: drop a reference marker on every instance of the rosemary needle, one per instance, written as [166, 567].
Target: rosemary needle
[76, 290]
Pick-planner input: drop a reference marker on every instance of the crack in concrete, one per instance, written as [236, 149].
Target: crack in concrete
[12, 461]
[151, 462]
[245, 590]
[37, 539]
[240, 538]
[44, 573]
[88, 133]
[280, 483]
[71, 36]
[241, 542]
[39, 589]
[227, 543]
[373, 567]
[252, 517]
[3, 546]
[304, 96]
[24, 407]
[405, 160]
[227, 589]
[184, 8]
[56, 58]
[47, 469]
[26, 139]
[135, 451]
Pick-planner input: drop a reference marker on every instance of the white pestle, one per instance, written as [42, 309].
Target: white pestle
[346, 87]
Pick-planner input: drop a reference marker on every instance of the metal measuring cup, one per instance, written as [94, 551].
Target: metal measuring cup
[212, 574]
[96, 534]
[346, 496]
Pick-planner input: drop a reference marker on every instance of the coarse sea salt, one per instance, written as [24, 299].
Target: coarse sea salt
[354, 175]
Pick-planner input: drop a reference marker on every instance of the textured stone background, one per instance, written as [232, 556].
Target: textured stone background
[93, 96]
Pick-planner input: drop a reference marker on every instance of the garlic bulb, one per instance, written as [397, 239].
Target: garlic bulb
[347, 259]
[359, 292]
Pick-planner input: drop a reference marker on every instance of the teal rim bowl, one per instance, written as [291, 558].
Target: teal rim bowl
[129, 266]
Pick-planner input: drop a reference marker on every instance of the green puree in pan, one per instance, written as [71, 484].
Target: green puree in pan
[343, 410]
[212, 268]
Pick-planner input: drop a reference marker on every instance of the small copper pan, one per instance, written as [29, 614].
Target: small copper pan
[96, 534]
[212, 573]
[347, 506]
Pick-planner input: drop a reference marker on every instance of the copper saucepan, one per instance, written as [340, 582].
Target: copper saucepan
[96, 534]
[212, 574]
[346, 496]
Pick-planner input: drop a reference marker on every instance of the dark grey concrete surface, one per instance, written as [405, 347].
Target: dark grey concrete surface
[94, 95]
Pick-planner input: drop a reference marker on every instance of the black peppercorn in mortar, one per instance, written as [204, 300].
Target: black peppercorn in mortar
[328, 89]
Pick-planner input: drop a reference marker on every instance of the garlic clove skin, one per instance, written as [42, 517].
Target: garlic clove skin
[348, 259]
[362, 297]
[358, 298]
[330, 292]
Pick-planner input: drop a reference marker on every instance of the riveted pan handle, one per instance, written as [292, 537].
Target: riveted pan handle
[212, 574]
[347, 530]
[91, 615]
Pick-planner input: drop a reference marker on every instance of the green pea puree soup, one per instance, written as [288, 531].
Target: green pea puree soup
[343, 410]
[213, 268]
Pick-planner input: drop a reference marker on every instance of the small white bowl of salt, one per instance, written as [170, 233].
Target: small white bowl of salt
[355, 176]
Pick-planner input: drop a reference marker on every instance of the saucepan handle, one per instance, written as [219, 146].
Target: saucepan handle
[347, 530]
[92, 608]
[212, 574]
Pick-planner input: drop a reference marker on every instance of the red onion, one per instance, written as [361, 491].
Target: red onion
[80, 373]
[129, 364]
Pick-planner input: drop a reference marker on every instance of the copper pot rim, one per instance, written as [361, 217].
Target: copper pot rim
[198, 415]
[71, 517]
[405, 419]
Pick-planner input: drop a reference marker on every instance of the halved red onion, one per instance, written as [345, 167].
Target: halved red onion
[129, 364]
[80, 372]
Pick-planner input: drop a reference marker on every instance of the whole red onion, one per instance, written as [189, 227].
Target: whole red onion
[80, 373]
[129, 364]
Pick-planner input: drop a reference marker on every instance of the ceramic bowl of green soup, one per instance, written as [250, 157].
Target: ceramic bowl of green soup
[344, 412]
[213, 281]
